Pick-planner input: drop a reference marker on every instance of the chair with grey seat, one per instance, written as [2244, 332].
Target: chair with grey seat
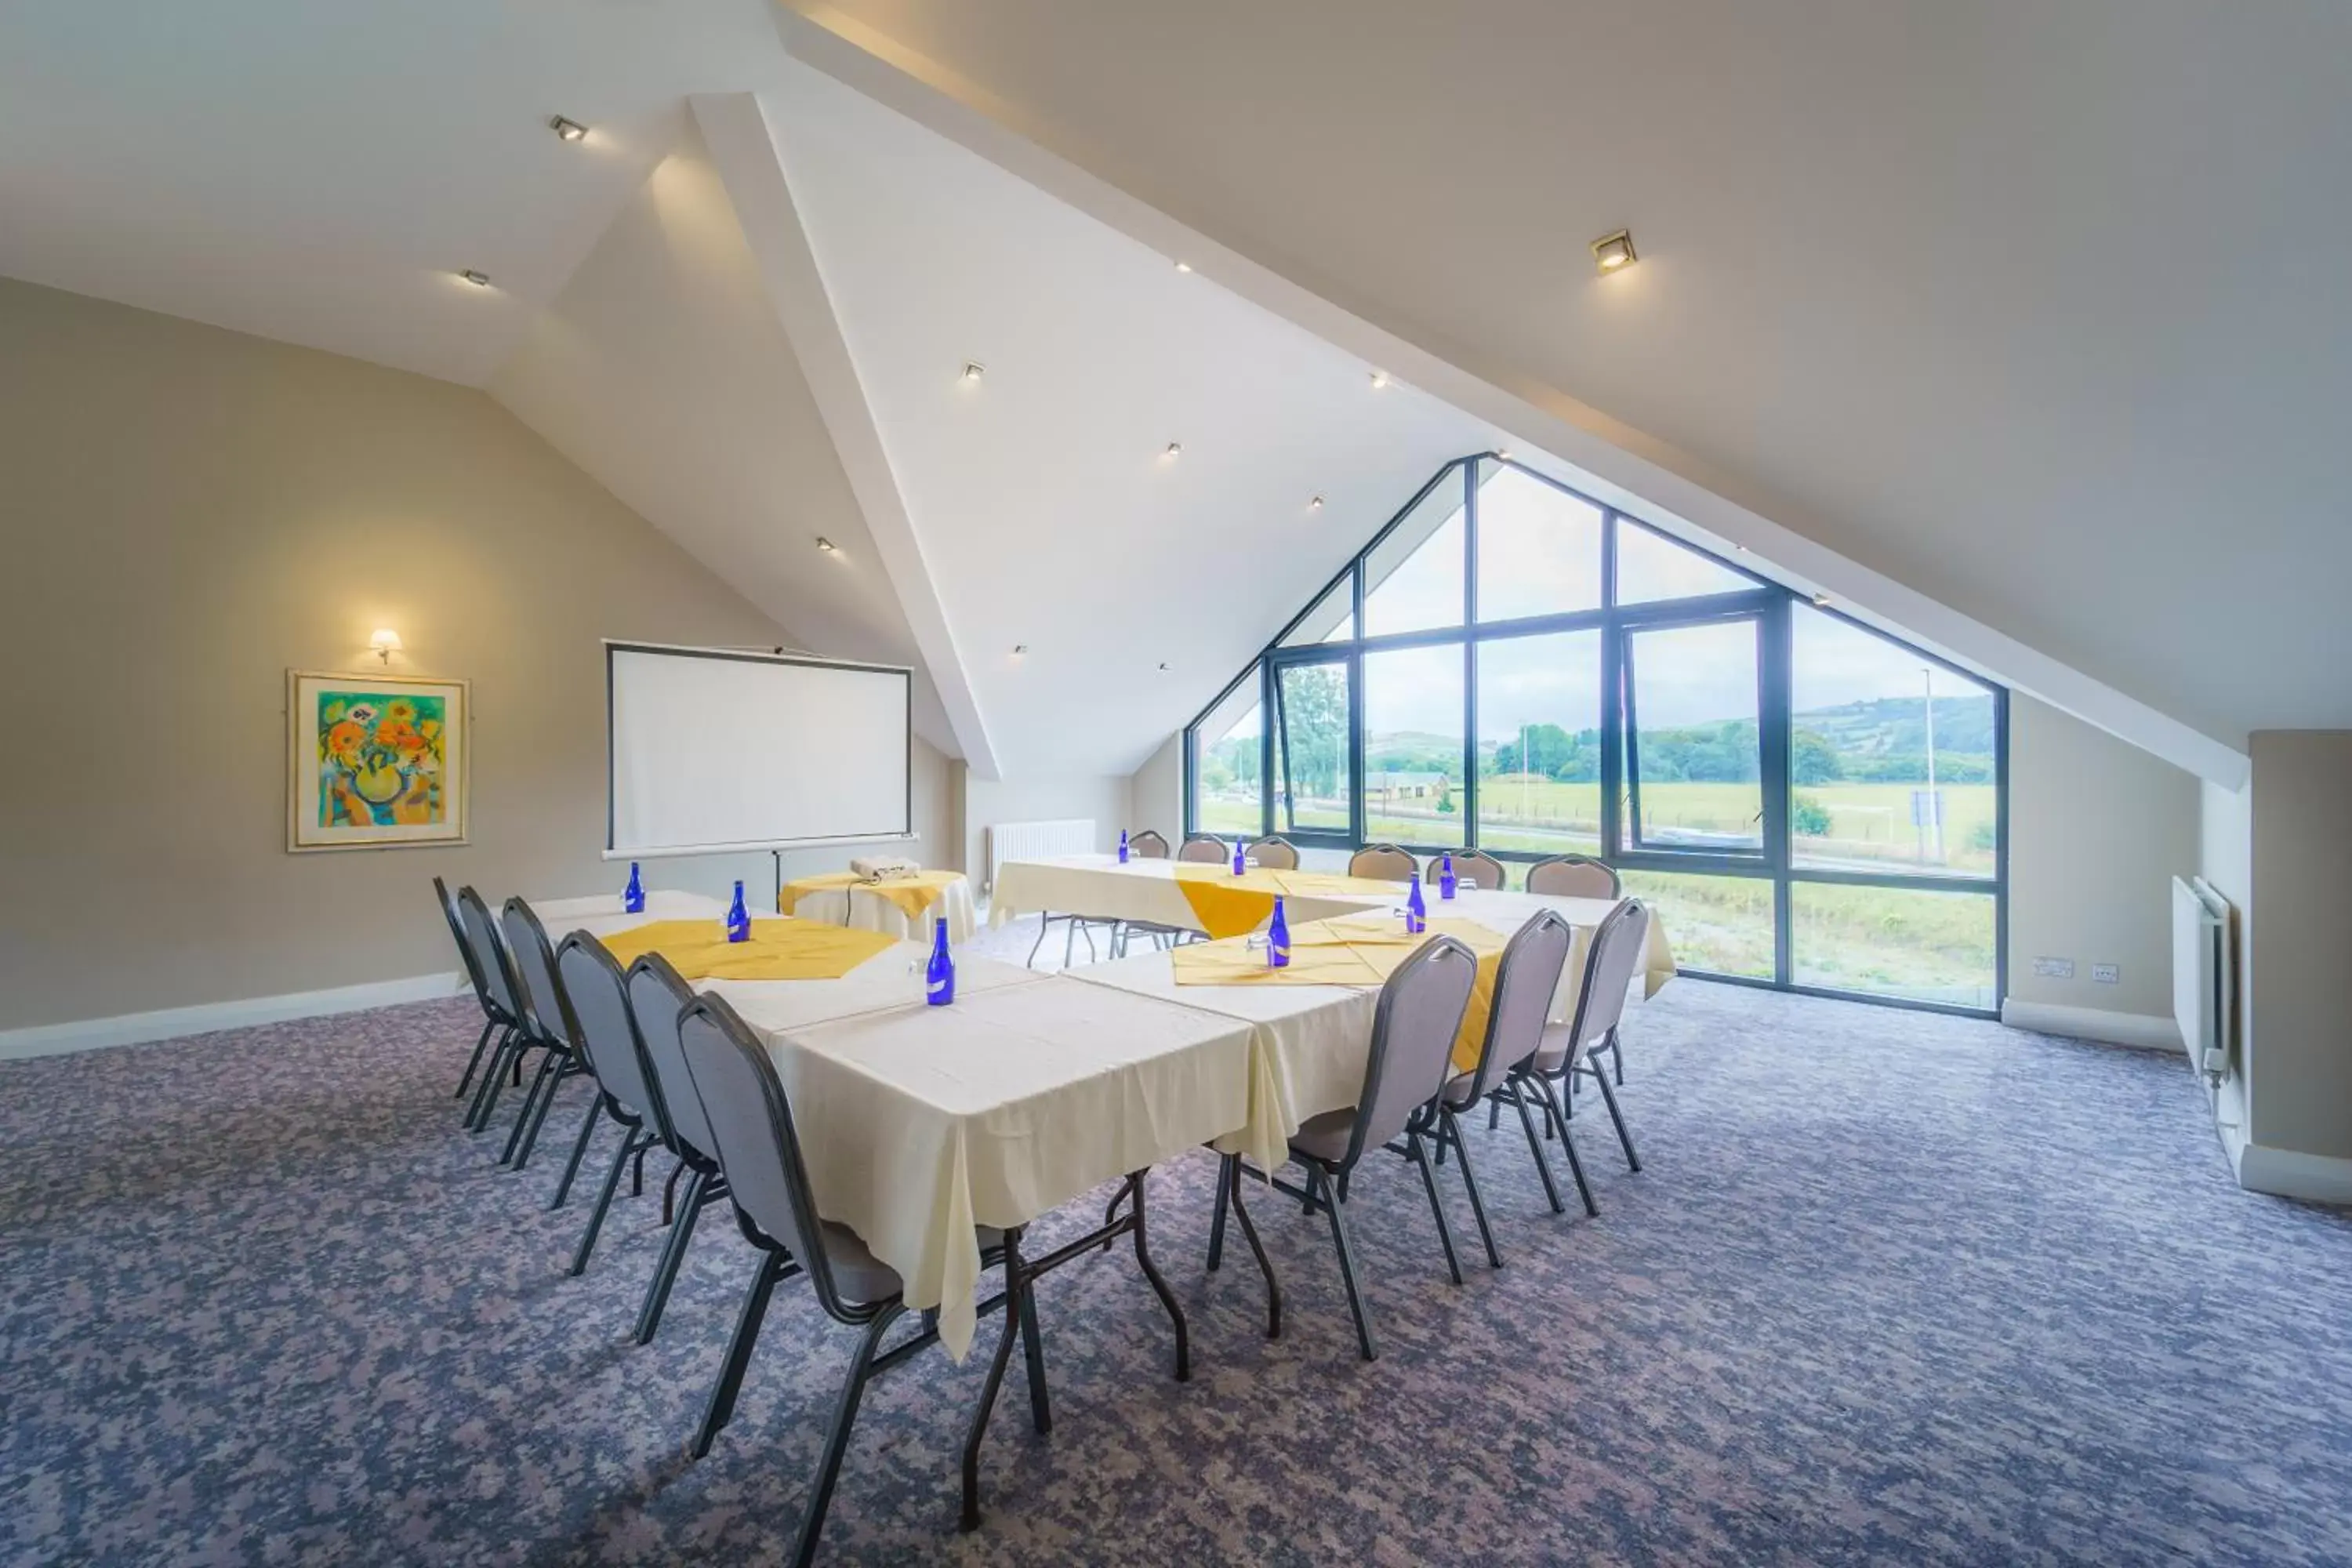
[613, 1047]
[1147, 845]
[517, 1041]
[658, 995]
[1474, 866]
[1206, 849]
[1582, 876]
[1575, 876]
[1276, 854]
[1414, 1025]
[1526, 980]
[494, 1017]
[1383, 862]
[752, 1122]
[1611, 963]
[549, 1021]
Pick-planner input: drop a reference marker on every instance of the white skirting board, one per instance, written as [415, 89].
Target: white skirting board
[172, 1023]
[2140, 1029]
[2289, 1173]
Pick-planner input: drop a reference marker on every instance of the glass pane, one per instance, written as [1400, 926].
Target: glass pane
[1310, 749]
[1651, 566]
[1412, 745]
[1870, 793]
[1333, 618]
[1412, 580]
[1538, 549]
[1539, 742]
[1226, 758]
[1894, 942]
[1694, 771]
[1719, 924]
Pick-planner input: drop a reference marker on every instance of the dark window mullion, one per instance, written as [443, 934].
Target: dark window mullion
[1469, 802]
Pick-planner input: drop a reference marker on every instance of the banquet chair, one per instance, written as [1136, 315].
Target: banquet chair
[609, 1041]
[515, 1041]
[1526, 980]
[1385, 862]
[1474, 866]
[658, 994]
[1611, 963]
[547, 1016]
[1276, 854]
[494, 1017]
[1575, 876]
[1147, 845]
[1206, 847]
[1414, 1025]
[758, 1150]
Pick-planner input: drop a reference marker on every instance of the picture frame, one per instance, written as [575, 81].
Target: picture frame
[376, 761]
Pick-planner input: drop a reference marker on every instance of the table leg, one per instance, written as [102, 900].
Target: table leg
[1265, 1264]
[1160, 1284]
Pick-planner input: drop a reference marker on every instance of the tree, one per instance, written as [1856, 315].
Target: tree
[1810, 817]
[1814, 761]
[1314, 738]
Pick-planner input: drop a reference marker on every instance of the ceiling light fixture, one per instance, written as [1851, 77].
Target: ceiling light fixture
[1820, 601]
[1183, 266]
[478, 279]
[1175, 450]
[568, 130]
[974, 369]
[1314, 504]
[1502, 454]
[1380, 379]
[827, 545]
[1019, 648]
[1614, 252]
[1163, 664]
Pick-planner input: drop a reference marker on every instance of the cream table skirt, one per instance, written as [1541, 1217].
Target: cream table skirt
[1099, 888]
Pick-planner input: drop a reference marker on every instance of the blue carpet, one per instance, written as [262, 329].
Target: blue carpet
[1892, 1288]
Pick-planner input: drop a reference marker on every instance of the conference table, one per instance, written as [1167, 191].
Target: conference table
[902, 907]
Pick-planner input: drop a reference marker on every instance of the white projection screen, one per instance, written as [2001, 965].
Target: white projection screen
[715, 748]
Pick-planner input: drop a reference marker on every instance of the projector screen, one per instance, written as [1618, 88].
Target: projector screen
[711, 749]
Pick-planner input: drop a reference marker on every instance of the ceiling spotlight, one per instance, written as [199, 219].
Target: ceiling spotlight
[1019, 648]
[568, 130]
[974, 369]
[1820, 601]
[1380, 379]
[478, 279]
[1163, 664]
[1502, 454]
[827, 545]
[1314, 504]
[1614, 251]
[1175, 450]
[1183, 266]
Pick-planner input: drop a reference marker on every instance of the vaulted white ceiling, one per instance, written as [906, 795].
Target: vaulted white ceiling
[2013, 323]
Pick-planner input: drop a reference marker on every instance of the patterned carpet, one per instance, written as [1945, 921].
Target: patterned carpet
[1892, 1288]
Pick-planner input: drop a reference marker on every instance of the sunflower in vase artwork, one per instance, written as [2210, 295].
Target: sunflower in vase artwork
[380, 760]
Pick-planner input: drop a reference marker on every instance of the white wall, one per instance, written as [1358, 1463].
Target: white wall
[1158, 790]
[2300, 1060]
[986, 801]
[2097, 830]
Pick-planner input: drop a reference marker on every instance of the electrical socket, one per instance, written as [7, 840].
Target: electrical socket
[2054, 968]
[2107, 973]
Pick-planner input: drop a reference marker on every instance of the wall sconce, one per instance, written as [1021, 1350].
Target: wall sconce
[386, 642]
[1614, 252]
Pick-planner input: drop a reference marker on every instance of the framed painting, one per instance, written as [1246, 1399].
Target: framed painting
[375, 762]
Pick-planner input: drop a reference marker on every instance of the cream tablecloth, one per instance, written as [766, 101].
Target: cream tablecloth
[1308, 1043]
[920, 1122]
[858, 906]
[1098, 887]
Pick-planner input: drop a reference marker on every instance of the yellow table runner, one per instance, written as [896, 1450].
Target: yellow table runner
[1358, 949]
[912, 895]
[1228, 906]
[779, 950]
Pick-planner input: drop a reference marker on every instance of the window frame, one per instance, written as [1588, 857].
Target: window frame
[1771, 608]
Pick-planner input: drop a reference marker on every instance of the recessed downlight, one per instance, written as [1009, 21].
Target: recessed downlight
[478, 279]
[1183, 266]
[1614, 252]
[1380, 379]
[827, 545]
[568, 130]
[1019, 648]
[1314, 503]
[974, 369]
[1174, 449]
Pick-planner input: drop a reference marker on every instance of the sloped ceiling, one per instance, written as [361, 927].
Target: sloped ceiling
[2034, 307]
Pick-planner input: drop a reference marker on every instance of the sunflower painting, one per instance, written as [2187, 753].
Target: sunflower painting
[377, 760]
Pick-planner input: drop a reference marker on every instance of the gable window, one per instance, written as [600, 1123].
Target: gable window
[1810, 803]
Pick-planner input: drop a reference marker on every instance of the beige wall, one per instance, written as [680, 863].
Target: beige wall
[986, 801]
[2300, 1040]
[2097, 830]
[1158, 790]
[186, 513]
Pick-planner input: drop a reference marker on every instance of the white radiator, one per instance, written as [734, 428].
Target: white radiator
[1038, 840]
[2204, 976]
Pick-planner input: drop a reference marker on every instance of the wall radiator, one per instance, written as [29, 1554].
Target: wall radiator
[1038, 840]
[2204, 976]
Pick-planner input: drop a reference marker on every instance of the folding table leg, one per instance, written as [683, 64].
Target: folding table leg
[1160, 1286]
[1265, 1266]
[991, 1383]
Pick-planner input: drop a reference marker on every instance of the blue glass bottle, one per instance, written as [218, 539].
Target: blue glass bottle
[1241, 860]
[1416, 914]
[938, 975]
[633, 897]
[1445, 882]
[739, 919]
[1278, 938]
[1122, 846]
